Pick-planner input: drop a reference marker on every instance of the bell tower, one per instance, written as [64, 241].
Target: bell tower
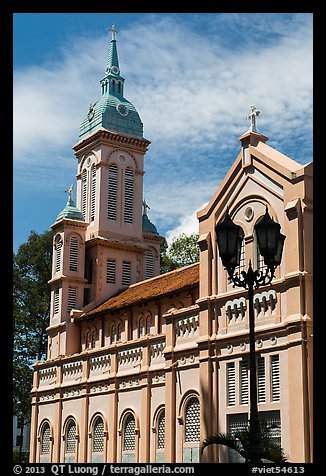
[110, 156]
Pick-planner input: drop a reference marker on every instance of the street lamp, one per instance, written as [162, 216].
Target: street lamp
[270, 242]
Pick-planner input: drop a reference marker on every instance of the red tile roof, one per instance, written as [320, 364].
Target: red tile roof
[165, 284]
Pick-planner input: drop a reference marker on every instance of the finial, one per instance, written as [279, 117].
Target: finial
[70, 190]
[145, 208]
[252, 117]
[114, 30]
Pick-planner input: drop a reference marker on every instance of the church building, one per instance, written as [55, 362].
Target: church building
[142, 367]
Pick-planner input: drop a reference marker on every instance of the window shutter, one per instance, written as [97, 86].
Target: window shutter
[58, 249]
[112, 192]
[149, 264]
[231, 383]
[275, 378]
[56, 300]
[72, 298]
[73, 259]
[71, 437]
[126, 273]
[84, 193]
[261, 379]
[110, 271]
[129, 195]
[244, 382]
[93, 192]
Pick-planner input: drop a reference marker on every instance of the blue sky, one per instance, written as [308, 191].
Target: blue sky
[192, 78]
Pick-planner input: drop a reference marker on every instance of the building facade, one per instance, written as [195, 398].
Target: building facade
[142, 367]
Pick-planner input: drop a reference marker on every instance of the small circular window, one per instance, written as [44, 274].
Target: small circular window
[249, 213]
[121, 108]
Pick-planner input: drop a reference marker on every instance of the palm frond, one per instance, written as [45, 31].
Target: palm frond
[224, 439]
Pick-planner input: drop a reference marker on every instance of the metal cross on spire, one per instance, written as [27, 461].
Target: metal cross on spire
[252, 114]
[146, 206]
[114, 30]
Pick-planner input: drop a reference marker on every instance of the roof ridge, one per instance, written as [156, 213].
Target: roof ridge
[164, 274]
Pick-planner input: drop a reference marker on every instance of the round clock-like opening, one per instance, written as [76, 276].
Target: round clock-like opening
[121, 108]
[249, 213]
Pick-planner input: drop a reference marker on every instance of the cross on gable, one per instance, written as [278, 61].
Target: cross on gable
[252, 114]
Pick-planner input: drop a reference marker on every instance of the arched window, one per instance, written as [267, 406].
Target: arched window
[113, 333]
[98, 440]
[93, 343]
[129, 195]
[93, 191]
[45, 443]
[112, 192]
[84, 193]
[148, 323]
[191, 431]
[88, 340]
[160, 437]
[141, 327]
[129, 439]
[119, 331]
[149, 264]
[70, 441]
[73, 256]
[58, 253]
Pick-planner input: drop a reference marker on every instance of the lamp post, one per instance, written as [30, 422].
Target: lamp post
[270, 242]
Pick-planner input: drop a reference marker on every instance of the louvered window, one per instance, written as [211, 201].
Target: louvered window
[73, 258]
[161, 430]
[148, 323]
[231, 383]
[242, 263]
[275, 378]
[110, 271]
[56, 300]
[93, 342]
[93, 192]
[126, 273]
[261, 380]
[72, 298]
[84, 193]
[244, 382]
[192, 420]
[71, 437]
[129, 434]
[98, 435]
[58, 249]
[45, 439]
[119, 331]
[149, 265]
[129, 195]
[112, 192]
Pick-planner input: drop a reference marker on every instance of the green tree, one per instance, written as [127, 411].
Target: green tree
[182, 251]
[31, 306]
[239, 441]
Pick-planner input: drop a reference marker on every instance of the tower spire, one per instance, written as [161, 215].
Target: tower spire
[112, 66]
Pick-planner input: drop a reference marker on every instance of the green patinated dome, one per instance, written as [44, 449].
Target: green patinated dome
[112, 111]
[70, 212]
[148, 226]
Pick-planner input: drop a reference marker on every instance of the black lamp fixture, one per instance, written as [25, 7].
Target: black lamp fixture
[270, 242]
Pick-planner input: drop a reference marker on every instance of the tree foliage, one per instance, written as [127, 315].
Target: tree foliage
[182, 251]
[31, 306]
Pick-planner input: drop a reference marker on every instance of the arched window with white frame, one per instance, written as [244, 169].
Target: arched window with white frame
[160, 437]
[129, 438]
[128, 195]
[191, 430]
[112, 192]
[93, 191]
[98, 440]
[45, 442]
[84, 193]
[70, 441]
[141, 326]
